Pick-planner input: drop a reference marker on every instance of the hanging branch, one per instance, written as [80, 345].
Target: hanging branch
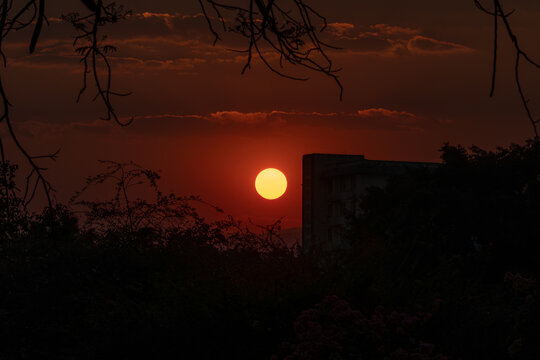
[94, 50]
[291, 34]
[33, 12]
[498, 13]
[93, 55]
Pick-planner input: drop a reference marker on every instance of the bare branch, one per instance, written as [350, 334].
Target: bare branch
[32, 11]
[270, 29]
[94, 51]
[498, 12]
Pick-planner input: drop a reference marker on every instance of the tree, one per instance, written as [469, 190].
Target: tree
[138, 214]
[474, 216]
[127, 219]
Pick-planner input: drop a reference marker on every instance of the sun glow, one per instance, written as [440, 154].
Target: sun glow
[271, 183]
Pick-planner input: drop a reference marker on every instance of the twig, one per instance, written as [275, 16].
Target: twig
[498, 12]
[291, 35]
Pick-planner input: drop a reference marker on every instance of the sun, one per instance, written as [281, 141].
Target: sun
[271, 183]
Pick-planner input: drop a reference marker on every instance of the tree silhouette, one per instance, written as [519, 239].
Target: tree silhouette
[128, 216]
[12, 212]
[138, 214]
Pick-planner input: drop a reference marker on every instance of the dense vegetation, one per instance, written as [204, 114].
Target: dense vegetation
[443, 265]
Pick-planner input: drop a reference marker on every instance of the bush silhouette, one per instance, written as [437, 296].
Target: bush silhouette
[442, 266]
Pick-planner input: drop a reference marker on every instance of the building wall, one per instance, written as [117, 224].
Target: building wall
[331, 189]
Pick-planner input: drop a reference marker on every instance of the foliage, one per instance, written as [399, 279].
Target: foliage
[154, 219]
[476, 205]
[450, 236]
[97, 290]
[12, 211]
[123, 218]
[441, 266]
[333, 330]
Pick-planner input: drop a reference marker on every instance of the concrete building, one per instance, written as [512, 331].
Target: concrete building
[331, 189]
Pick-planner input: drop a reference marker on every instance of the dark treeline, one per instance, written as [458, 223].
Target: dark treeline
[443, 264]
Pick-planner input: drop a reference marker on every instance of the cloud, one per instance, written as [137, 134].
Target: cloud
[136, 64]
[162, 41]
[145, 41]
[401, 116]
[228, 117]
[340, 29]
[150, 14]
[371, 118]
[260, 123]
[166, 18]
[170, 20]
[424, 45]
[389, 40]
[390, 30]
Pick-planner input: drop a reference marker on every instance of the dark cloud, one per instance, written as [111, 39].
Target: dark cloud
[161, 41]
[389, 40]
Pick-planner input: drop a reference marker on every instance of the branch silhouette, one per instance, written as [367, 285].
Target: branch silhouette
[94, 50]
[93, 53]
[270, 28]
[32, 12]
[498, 13]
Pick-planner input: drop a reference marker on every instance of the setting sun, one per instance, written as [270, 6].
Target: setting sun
[271, 183]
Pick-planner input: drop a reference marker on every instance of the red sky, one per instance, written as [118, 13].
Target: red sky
[415, 73]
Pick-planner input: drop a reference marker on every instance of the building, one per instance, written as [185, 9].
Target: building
[331, 189]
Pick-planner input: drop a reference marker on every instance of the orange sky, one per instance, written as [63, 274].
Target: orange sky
[415, 73]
